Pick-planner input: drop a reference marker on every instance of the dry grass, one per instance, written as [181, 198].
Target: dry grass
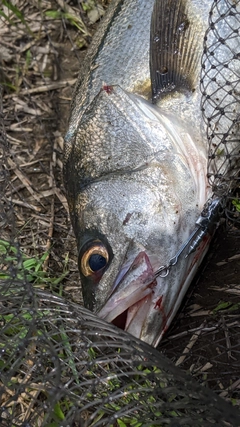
[42, 44]
[41, 48]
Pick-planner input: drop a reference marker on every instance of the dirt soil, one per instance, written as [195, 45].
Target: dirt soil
[40, 57]
[204, 336]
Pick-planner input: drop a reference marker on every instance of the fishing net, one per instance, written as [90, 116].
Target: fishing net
[220, 102]
[59, 364]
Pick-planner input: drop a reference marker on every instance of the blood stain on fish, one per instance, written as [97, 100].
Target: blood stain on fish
[108, 89]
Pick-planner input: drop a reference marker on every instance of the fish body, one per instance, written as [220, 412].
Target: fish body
[136, 160]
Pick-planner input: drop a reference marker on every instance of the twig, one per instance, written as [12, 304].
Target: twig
[23, 179]
[230, 289]
[232, 258]
[184, 333]
[231, 388]
[45, 88]
[190, 345]
[51, 222]
[228, 342]
[24, 204]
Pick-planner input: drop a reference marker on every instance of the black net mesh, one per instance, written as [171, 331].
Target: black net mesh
[59, 364]
[220, 101]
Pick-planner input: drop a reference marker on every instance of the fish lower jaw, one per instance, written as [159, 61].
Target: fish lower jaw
[133, 317]
[147, 312]
[129, 304]
[136, 316]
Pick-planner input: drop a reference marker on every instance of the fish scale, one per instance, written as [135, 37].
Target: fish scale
[63, 365]
[144, 154]
[125, 26]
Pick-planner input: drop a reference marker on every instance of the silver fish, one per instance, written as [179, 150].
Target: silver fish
[136, 157]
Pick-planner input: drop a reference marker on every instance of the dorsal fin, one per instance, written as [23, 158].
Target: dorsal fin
[174, 48]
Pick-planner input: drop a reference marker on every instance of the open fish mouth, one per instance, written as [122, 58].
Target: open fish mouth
[133, 291]
[124, 319]
[140, 296]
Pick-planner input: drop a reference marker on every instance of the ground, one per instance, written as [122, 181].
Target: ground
[204, 336]
[42, 45]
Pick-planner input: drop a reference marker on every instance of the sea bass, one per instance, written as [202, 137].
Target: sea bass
[136, 156]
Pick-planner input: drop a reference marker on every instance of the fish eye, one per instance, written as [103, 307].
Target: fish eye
[94, 258]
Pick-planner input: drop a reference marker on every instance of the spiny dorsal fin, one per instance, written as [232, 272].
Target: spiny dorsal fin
[174, 48]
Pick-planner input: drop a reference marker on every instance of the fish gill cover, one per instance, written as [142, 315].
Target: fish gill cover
[60, 365]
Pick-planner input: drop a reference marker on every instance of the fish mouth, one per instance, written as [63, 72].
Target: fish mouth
[133, 318]
[144, 304]
[129, 303]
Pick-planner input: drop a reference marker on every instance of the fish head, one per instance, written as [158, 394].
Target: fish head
[133, 202]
